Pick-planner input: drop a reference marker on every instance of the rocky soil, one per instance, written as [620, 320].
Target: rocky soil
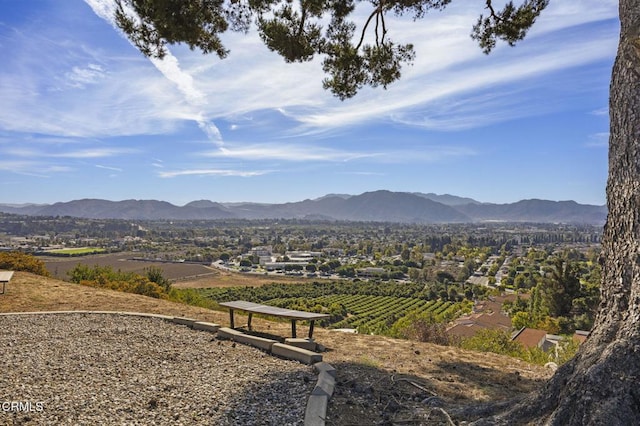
[100, 369]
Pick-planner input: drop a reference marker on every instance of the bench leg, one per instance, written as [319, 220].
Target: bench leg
[249, 321]
[231, 318]
[311, 329]
[293, 328]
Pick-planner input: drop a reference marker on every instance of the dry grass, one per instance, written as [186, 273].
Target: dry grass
[377, 376]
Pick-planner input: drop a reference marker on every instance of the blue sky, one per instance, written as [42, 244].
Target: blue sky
[84, 115]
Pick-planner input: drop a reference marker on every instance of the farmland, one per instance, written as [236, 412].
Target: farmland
[183, 274]
[58, 267]
[76, 251]
[366, 307]
[370, 308]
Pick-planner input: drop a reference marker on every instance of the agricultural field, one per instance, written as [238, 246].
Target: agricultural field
[377, 314]
[78, 251]
[367, 306]
[358, 305]
[183, 275]
[59, 266]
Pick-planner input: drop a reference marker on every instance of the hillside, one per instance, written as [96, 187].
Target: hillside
[375, 206]
[374, 373]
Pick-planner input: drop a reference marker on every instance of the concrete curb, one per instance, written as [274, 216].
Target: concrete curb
[247, 339]
[316, 411]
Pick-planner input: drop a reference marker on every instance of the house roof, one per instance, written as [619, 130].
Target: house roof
[469, 325]
[530, 337]
[581, 335]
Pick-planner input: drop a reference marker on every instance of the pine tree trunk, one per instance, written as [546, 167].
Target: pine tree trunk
[601, 385]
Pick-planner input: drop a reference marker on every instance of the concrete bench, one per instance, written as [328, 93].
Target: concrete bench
[302, 355]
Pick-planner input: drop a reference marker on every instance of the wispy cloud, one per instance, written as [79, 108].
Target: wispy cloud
[170, 68]
[363, 173]
[213, 172]
[122, 96]
[468, 85]
[598, 140]
[113, 169]
[32, 152]
[81, 76]
[308, 153]
[94, 153]
[286, 152]
[32, 168]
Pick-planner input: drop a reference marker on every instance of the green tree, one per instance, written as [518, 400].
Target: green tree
[298, 32]
[521, 319]
[596, 386]
[561, 288]
[156, 275]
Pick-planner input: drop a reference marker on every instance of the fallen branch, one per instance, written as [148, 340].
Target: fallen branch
[412, 383]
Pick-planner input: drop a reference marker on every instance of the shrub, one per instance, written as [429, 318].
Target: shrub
[423, 327]
[128, 282]
[18, 261]
[499, 342]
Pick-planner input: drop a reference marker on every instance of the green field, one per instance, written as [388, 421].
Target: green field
[79, 251]
[367, 307]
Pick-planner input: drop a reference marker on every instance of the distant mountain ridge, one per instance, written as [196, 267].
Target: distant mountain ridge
[375, 206]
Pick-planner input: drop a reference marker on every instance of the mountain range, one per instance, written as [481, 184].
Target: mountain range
[376, 206]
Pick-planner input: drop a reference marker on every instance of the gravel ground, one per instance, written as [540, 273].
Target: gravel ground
[90, 369]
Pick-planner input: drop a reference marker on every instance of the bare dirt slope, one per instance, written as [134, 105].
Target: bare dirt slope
[380, 380]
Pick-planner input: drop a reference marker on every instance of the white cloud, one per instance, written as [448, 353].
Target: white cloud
[170, 68]
[94, 153]
[114, 169]
[598, 140]
[81, 76]
[285, 152]
[308, 153]
[452, 85]
[32, 168]
[213, 172]
[123, 96]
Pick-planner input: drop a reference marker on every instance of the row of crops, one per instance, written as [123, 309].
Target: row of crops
[372, 314]
[368, 313]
